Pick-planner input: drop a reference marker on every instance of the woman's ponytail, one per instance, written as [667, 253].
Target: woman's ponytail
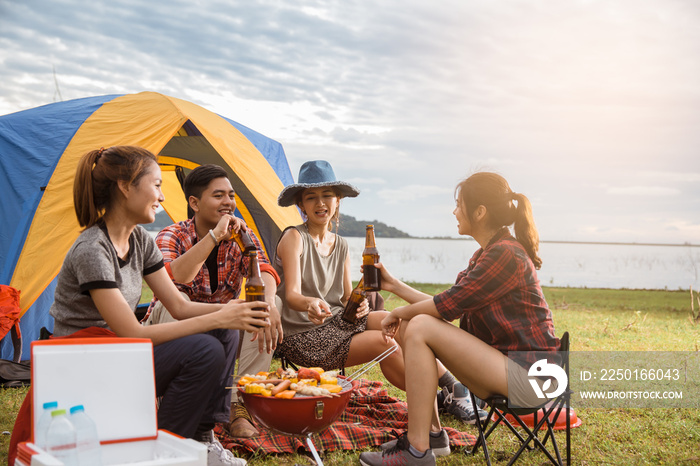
[97, 175]
[83, 196]
[525, 230]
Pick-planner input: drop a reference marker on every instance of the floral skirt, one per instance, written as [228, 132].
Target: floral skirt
[326, 347]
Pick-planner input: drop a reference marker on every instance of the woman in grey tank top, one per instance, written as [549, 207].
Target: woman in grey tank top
[314, 265]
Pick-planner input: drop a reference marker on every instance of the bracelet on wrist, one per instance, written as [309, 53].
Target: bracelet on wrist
[213, 236]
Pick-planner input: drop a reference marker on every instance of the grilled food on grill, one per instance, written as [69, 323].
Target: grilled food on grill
[289, 383]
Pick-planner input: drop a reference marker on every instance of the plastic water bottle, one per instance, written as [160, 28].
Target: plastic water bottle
[43, 424]
[89, 450]
[60, 438]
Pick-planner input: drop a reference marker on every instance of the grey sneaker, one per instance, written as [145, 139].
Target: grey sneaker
[217, 455]
[398, 455]
[441, 400]
[440, 445]
[459, 404]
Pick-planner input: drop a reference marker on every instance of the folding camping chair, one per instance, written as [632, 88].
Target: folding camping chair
[545, 415]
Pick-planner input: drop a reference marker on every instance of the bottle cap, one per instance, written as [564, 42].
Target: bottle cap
[50, 404]
[77, 408]
[58, 412]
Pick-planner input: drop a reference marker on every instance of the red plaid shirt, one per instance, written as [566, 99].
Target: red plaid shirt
[177, 239]
[499, 299]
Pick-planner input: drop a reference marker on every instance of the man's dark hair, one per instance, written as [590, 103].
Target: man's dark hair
[198, 180]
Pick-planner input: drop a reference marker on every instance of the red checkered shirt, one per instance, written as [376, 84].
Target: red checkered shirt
[177, 239]
[499, 299]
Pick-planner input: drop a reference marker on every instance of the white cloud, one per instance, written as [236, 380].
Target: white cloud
[644, 191]
[573, 102]
[367, 181]
[411, 193]
[675, 177]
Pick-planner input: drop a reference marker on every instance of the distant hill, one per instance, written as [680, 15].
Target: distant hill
[349, 226]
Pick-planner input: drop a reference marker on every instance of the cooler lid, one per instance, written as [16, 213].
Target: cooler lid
[113, 378]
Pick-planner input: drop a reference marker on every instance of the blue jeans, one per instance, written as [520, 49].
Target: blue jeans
[192, 374]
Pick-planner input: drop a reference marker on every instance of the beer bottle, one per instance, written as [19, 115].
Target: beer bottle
[243, 240]
[370, 256]
[254, 285]
[354, 301]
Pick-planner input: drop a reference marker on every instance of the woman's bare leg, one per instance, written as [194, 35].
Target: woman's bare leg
[440, 369]
[476, 364]
[369, 344]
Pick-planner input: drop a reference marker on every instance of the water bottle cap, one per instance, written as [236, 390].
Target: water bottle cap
[77, 408]
[50, 404]
[58, 412]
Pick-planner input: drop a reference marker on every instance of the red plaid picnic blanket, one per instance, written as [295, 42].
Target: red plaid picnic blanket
[369, 420]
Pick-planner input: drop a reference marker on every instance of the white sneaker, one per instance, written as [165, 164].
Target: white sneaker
[217, 455]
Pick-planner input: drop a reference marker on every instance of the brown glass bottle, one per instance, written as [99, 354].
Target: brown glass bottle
[370, 256]
[354, 301]
[243, 240]
[254, 285]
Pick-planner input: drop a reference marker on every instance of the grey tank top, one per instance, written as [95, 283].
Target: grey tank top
[321, 277]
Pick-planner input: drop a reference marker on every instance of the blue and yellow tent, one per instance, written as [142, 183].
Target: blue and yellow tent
[39, 152]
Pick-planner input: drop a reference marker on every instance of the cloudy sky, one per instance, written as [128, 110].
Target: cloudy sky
[589, 107]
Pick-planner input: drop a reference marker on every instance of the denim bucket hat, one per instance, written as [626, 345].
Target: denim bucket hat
[315, 174]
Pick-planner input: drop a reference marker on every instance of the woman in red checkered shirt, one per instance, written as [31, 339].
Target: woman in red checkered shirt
[500, 305]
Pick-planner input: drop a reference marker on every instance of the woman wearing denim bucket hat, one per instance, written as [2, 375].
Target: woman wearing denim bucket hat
[314, 266]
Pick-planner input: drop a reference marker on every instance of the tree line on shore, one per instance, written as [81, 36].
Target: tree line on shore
[348, 226]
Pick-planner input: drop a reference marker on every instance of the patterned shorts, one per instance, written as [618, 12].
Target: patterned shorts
[326, 347]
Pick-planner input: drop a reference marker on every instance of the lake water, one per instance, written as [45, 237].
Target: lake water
[564, 264]
[589, 265]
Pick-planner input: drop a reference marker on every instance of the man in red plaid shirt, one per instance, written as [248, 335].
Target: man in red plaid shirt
[208, 266]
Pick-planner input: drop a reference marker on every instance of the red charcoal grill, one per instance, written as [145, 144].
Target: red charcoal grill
[303, 416]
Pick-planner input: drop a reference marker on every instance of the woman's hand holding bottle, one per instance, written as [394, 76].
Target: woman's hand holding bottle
[248, 316]
[388, 281]
[363, 310]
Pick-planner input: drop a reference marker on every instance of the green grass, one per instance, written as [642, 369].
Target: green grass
[625, 320]
[598, 320]
[10, 401]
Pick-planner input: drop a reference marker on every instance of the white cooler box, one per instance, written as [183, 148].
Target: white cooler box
[113, 378]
